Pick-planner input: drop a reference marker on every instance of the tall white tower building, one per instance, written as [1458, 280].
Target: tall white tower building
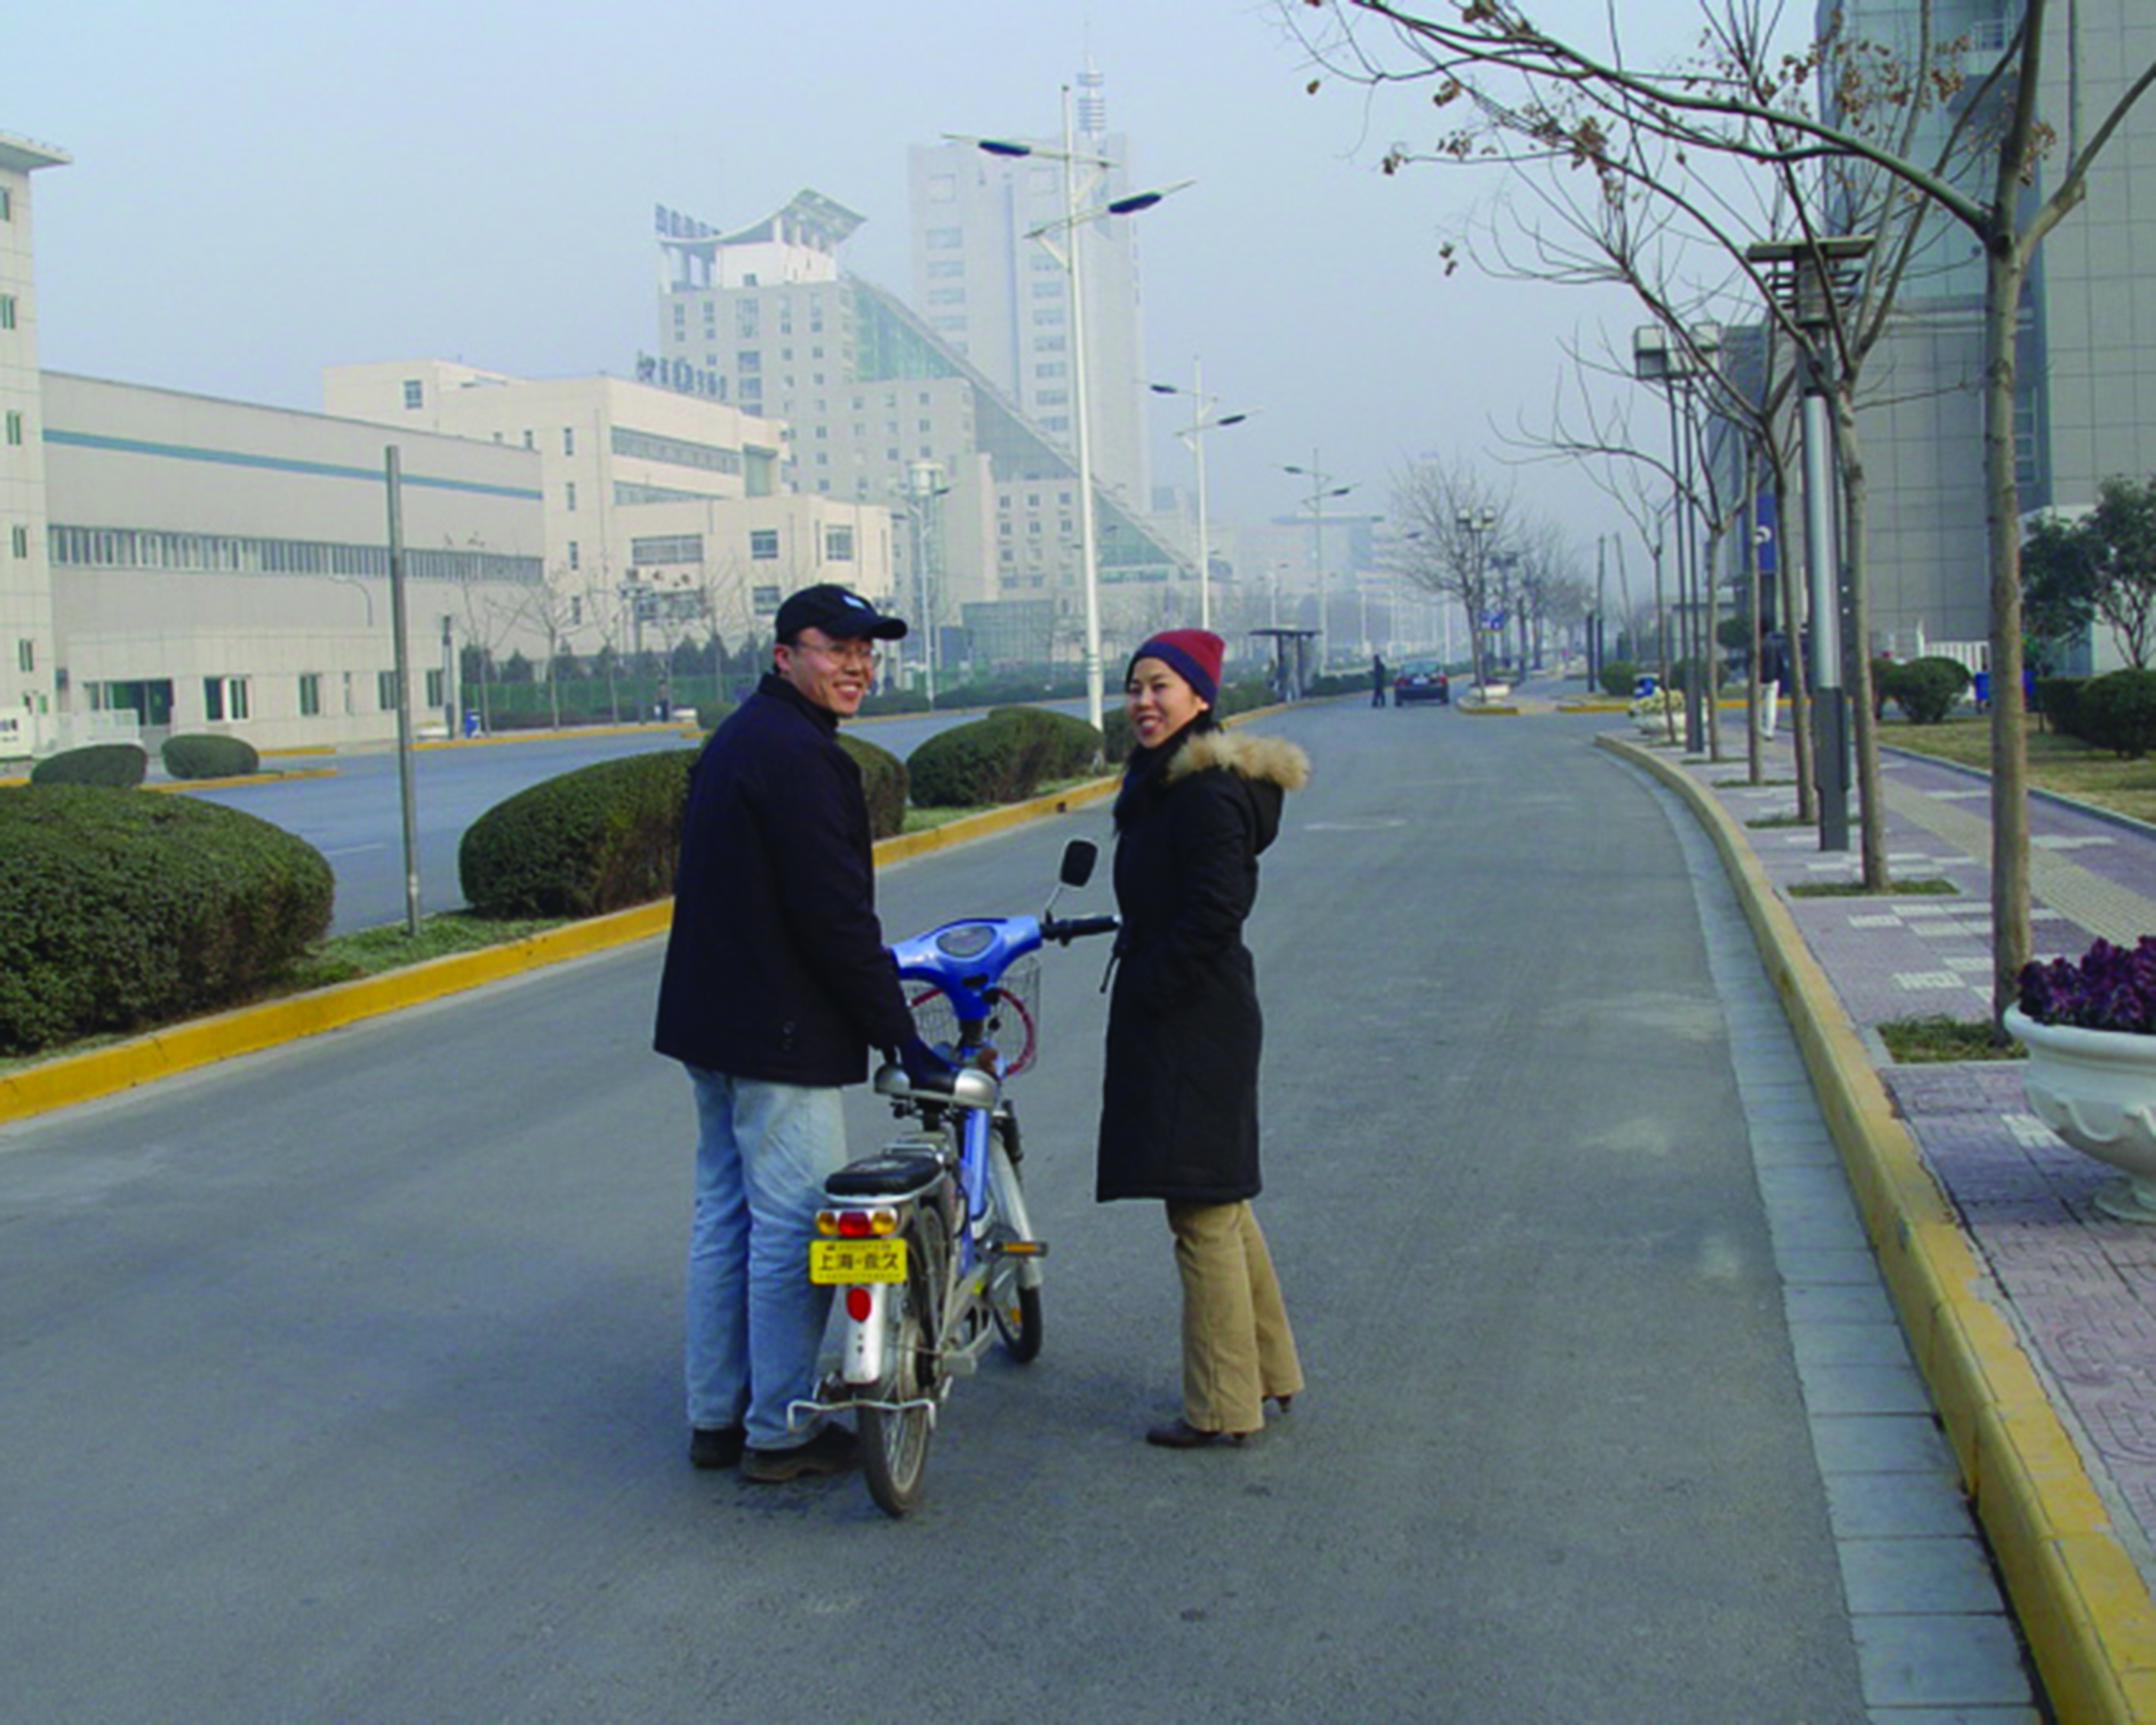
[1004, 300]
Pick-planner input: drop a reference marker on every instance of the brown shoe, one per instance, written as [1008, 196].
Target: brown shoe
[1179, 1435]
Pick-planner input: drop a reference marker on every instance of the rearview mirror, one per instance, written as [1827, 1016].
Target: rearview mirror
[1079, 856]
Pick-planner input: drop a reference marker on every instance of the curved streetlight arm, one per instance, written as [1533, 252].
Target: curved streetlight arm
[1011, 148]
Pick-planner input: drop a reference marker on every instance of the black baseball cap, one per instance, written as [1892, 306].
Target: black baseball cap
[840, 612]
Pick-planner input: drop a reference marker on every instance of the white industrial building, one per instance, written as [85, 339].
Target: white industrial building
[174, 562]
[219, 566]
[29, 688]
[664, 511]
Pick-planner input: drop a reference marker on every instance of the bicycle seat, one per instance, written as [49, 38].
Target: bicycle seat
[889, 1173]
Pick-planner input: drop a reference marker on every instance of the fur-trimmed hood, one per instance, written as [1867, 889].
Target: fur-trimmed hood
[1269, 760]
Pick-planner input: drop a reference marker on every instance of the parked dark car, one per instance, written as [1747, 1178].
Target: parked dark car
[1422, 679]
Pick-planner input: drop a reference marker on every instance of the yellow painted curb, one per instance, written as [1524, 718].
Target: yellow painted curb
[215, 784]
[199, 1042]
[2082, 1604]
[991, 820]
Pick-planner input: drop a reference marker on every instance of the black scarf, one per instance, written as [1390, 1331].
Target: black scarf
[1145, 771]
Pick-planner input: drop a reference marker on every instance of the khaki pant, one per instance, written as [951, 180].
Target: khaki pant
[1237, 1346]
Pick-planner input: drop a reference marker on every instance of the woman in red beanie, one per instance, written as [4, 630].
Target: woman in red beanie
[1179, 1105]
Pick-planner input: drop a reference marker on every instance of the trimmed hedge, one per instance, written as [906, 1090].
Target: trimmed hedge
[117, 765]
[1619, 677]
[209, 756]
[120, 910]
[2118, 711]
[884, 782]
[1003, 756]
[1925, 690]
[600, 839]
[2059, 700]
[895, 701]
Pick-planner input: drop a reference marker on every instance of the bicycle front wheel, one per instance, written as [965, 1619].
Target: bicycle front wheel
[895, 1436]
[1013, 1282]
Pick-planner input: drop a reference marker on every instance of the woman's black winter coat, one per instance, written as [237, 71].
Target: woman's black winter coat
[1179, 1102]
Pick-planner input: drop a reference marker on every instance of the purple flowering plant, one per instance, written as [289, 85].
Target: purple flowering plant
[2111, 988]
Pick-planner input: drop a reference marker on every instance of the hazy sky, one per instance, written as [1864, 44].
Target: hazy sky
[259, 190]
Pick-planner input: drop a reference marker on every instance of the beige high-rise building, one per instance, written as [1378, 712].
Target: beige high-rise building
[884, 410]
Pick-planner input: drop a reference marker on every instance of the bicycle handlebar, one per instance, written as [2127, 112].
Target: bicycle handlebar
[1065, 930]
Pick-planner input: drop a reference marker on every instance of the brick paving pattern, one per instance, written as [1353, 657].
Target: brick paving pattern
[2076, 1286]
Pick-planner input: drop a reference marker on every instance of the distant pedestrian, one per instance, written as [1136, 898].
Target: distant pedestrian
[1377, 679]
[1773, 669]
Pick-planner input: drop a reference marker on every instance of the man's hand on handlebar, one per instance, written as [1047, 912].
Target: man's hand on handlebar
[925, 1068]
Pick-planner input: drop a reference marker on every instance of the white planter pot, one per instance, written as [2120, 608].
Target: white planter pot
[2097, 1089]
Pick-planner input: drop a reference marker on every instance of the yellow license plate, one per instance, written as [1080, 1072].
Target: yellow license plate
[856, 1260]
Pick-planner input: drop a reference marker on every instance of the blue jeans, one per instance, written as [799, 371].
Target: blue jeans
[755, 1323]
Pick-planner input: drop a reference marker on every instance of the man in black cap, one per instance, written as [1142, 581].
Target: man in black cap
[777, 984]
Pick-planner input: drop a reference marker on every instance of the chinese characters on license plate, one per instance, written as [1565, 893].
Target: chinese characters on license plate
[856, 1260]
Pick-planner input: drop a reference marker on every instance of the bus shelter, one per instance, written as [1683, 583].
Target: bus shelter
[1290, 674]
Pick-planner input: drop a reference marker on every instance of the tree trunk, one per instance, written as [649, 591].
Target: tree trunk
[1754, 773]
[1871, 788]
[2010, 940]
[1710, 646]
[1662, 640]
[1794, 656]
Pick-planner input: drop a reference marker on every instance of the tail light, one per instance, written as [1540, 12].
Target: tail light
[857, 1225]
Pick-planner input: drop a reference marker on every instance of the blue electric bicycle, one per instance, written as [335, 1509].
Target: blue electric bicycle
[927, 1243]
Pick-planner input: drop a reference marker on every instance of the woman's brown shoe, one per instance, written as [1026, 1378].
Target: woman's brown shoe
[1282, 1402]
[1179, 1435]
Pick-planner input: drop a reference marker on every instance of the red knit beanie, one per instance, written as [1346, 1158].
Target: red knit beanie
[1194, 654]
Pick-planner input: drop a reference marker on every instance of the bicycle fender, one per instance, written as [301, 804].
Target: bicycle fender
[861, 1356]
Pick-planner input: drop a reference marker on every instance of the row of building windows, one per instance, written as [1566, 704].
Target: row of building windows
[676, 451]
[665, 548]
[234, 554]
[228, 699]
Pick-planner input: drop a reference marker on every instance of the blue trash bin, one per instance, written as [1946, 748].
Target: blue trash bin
[471, 723]
[1982, 683]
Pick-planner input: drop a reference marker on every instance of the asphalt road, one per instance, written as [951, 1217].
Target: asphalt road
[354, 814]
[340, 1382]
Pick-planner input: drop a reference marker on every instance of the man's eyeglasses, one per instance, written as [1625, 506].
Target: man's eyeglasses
[840, 652]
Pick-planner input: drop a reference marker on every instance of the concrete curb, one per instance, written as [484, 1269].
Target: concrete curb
[200, 1042]
[2081, 1603]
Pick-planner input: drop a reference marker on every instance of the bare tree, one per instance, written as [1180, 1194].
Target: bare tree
[1449, 520]
[1519, 82]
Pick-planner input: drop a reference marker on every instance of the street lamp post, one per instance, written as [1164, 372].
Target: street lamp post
[1673, 365]
[1806, 278]
[1321, 488]
[1201, 422]
[1477, 524]
[1070, 257]
[922, 489]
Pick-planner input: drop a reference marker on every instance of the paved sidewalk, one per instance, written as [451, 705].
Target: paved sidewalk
[2075, 1287]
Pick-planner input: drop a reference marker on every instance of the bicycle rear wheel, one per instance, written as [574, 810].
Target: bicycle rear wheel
[895, 1437]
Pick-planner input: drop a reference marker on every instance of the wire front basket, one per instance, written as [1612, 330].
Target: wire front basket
[1014, 1015]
